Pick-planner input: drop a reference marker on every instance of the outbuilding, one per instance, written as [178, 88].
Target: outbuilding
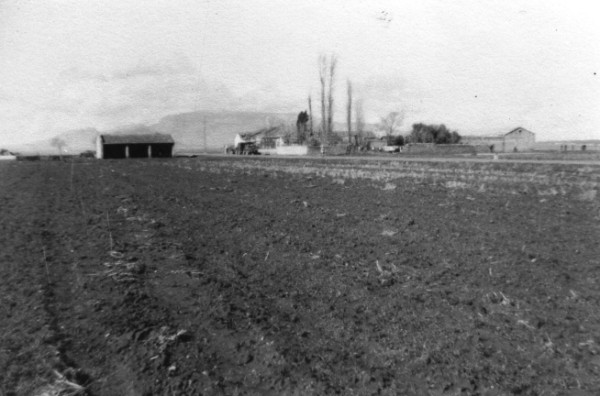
[518, 139]
[134, 146]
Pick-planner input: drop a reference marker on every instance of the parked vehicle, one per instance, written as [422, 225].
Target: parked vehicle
[243, 148]
[392, 149]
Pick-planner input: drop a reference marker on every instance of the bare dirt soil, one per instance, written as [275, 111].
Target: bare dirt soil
[255, 277]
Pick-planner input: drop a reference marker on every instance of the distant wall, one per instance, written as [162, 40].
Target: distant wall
[377, 145]
[518, 140]
[99, 147]
[483, 144]
[267, 151]
[567, 146]
[482, 148]
[291, 150]
[336, 149]
[430, 148]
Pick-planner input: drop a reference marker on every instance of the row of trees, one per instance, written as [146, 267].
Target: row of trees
[422, 133]
[390, 124]
[304, 122]
[439, 134]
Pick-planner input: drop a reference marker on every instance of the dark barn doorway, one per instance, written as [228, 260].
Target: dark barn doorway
[138, 151]
[112, 151]
[162, 150]
[135, 146]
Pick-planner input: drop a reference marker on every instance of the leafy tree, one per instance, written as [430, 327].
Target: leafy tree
[454, 137]
[301, 126]
[442, 136]
[439, 134]
[397, 140]
[310, 115]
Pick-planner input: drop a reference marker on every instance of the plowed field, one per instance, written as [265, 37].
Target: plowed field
[264, 276]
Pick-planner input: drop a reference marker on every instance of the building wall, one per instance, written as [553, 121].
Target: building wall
[484, 144]
[138, 150]
[430, 148]
[377, 145]
[520, 139]
[567, 146]
[292, 150]
[99, 148]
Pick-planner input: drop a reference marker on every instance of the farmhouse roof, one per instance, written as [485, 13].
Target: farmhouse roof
[269, 132]
[137, 139]
[516, 129]
[483, 137]
[494, 136]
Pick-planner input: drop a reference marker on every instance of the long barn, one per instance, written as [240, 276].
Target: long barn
[519, 139]
[134, 146]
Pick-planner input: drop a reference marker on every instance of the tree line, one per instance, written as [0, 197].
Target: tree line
[439, 134]
[390, 124]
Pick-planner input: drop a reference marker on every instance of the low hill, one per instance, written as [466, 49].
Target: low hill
[221, 127]
[187, 130]
[76, 141]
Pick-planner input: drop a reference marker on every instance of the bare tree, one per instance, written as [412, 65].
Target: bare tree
[390, 123]
[59, 144]
[327, 68]
[360, 120]
[349, 110]
[322, 76]
[301, 122]
[332, 68]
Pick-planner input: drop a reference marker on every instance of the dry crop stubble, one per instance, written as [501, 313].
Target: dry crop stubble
[469, 290]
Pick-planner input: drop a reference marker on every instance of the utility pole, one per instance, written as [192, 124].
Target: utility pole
[310, 117]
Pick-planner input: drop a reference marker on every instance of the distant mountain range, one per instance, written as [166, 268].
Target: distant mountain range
[187, 129]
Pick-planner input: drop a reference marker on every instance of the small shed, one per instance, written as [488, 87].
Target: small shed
[155, 145]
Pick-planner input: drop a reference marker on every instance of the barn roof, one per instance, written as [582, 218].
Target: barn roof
[137, 139]
[495, 136]
[519, 128]
[271, 132]
[483, 137]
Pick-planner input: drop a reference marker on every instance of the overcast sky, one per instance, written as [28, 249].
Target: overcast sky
[477, 66]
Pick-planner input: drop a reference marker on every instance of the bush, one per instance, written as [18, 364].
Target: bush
[395, 140]
[439, 134]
